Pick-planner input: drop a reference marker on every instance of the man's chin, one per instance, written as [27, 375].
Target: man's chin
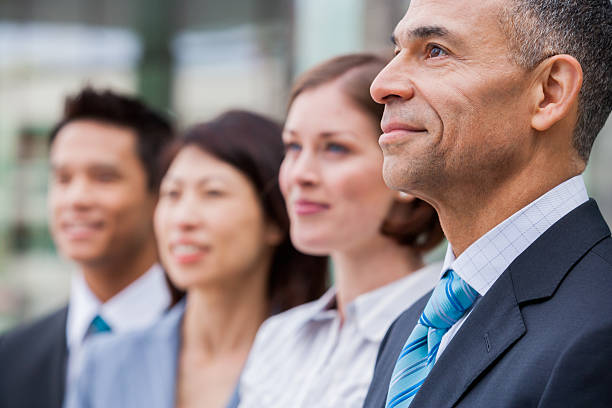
[82, 256]
[393, 173]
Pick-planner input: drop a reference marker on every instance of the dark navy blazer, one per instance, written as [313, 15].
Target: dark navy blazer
[33, 364]
[540, 337]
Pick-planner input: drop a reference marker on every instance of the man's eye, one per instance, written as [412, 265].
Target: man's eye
[435, 51]
[61, 178]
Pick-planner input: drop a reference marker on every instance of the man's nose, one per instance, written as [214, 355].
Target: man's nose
[79, 193]
[393, 82]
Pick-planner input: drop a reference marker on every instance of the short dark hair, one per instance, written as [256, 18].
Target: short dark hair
[413, 224]
[253, 144]
[538, 29]
[153, 131]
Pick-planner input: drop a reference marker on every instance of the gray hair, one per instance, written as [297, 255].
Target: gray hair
[539, 29]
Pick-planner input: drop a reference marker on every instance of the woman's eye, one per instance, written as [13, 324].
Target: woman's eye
[169, 194]
[213, 193]
[336, 148]
[435, 51]
[292, 146]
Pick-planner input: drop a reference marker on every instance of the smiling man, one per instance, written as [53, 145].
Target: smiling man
[103, 189]
[491, 110]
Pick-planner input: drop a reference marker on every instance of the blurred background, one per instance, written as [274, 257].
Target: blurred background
[190, 58]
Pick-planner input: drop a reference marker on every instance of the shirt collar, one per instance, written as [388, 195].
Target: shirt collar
[374, 311]
[136, 306]
[483, 262]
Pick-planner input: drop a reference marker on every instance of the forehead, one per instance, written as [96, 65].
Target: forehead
[335, 110]
[193, 163]
[473, 20]
[90, 142]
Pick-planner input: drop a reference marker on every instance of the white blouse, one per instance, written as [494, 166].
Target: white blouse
[306, 358]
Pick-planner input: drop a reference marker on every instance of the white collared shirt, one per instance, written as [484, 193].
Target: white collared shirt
[306, 357]
[137, 306]
[483, 262]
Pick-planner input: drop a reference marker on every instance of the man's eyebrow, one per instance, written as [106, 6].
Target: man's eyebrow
[423, 32]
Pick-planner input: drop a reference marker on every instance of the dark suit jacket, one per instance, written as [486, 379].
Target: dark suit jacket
[33, 364]
[541, 336]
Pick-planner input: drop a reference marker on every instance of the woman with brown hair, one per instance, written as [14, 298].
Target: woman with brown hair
[222, 233]
[322, 354]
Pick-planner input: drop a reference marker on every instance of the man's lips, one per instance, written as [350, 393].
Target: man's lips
[394, 132]
[79, 230]
[390, 127]
[306, 207]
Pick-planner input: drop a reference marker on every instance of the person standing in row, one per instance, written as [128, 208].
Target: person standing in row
[322, 354]
[103, 187]
[223, 236]
[491, 111]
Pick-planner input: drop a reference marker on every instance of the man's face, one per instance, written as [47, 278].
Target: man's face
[455, 111]
[101, 210]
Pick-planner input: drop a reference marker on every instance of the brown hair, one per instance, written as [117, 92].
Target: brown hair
[253, 145]
[412, 223]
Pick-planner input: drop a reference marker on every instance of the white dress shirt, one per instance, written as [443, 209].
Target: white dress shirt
[307, 357]
[482, 263]
[137, 306]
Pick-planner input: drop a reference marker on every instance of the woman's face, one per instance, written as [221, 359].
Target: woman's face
[209, 223]
[331, 176]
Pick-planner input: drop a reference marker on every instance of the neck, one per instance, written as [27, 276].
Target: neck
[370, 267]
[224, 320]
[474, 210]
[106, 279]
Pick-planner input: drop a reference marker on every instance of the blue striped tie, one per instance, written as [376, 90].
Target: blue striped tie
[449, 301]
[98, 325]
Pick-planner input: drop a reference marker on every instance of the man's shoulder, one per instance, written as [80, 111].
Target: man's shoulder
[390, 348]
[604, 250]
[26, 335]
[33, 362]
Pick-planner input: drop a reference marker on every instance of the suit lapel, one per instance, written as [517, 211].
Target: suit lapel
[496, 322]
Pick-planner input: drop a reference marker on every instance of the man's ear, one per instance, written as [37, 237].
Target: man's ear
[557, 87]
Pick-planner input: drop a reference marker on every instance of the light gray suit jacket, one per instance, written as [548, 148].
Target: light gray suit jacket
[134, 370]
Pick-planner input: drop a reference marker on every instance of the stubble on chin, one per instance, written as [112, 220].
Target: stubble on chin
[418, 176]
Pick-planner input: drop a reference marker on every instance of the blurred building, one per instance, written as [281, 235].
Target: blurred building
[190, 58]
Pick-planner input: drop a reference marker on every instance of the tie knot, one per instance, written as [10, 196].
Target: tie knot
[98, 325]
[449, 301]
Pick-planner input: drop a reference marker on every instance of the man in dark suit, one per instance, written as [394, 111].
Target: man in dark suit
[491, 110]
[104, 156]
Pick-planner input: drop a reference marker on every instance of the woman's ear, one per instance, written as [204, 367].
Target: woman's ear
[557, 87]
[274, 235]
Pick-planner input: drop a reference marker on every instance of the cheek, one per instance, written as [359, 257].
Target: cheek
[283, 178]
[239, 235]
[365, 193]
[160, 220]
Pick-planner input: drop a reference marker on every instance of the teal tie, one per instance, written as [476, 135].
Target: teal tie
[448, 303]
[98, 325]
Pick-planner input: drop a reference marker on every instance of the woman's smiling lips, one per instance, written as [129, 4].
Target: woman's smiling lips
[186, 252]
[306, 207]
